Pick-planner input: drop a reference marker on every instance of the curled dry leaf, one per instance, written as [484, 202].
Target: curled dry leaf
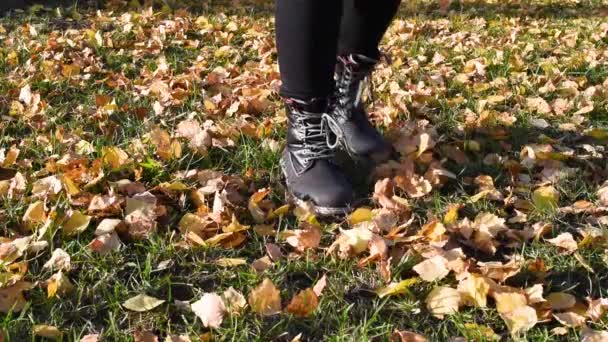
[76, 223]
[59, 285]
[565, 242]
[303, 239]
[570, 319]
[210, 309]
[59, 260]
[48, 331]
[265, 299]
[35, 214]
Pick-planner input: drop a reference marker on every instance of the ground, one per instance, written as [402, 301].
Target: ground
[499, 112]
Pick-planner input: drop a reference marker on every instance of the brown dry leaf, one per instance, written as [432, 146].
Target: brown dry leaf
[539, 105]
[590, 335]
[499, 271]
[178, 338]
[230, 262]
[140, 215]
[303, 239]
[565, 242]
[561, 300]
[596, 308]
[474, 290]
[210, 309]
[432, 269]
[106, 243]
[90, 338]
[407, 336]
[535, 294]
[12, 299]
[570, 319]
[304, 303]
[144, 336]
[274, 252]
[265, 299]
[443, 301]
[262, 264]
[257, 213]
[602, 194]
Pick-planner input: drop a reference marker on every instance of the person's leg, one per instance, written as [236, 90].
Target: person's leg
[364, 22]
[307, 41]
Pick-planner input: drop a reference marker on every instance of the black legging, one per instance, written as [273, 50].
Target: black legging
[311, 33]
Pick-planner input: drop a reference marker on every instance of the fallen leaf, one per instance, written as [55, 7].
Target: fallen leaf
[145, 336]
[35, 214]
[142, 303]
[12, 299]
[320, 285]
[303, 304]
[230, 262]
[105, 243]
[590, 335]
[265, 299]
[474, 290]
[520, 320]
[59, 260]
[432, 269]
[407, 336]
[565, 242]
[303, 239]
[443, 301]
[396, 288]
[59, 285]
[76, 223]
[47, 331]
[234, 300]
[561, 300]
[570, 319]
[545, 198]
[210, 309]
[360, 215]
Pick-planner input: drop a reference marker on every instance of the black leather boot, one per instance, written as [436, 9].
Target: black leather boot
[308, 163]
[349, 121]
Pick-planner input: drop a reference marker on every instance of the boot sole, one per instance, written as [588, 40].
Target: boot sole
[319, 210]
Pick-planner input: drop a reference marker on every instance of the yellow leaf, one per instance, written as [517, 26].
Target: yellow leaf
[59, 284]
[256, 212]
[76, 223]
[35, 214]
[303, 304]
[360, 215]
[451, 216]
[142, 303]
[47, 331]
[230, 262]
[278, 212]
[545, 198]
[474, 290]
[265, 299]
[509, 301]
[115, 157]
[396, 288]
[443, 301]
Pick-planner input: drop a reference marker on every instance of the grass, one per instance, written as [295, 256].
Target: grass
[349, 310]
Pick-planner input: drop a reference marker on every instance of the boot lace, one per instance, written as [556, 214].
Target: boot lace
[312, 131]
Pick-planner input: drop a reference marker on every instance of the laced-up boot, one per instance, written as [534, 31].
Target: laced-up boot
[308, 162]
[349, 120]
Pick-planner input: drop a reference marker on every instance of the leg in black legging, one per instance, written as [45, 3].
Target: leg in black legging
[307, 39]
[364, 22]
